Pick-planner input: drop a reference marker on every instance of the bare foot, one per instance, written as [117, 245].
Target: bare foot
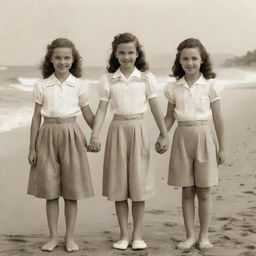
[187, 244]
[71, 246]
[204, 244]
[50, 246]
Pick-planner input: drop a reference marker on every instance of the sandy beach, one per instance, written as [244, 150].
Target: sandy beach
[23, 225]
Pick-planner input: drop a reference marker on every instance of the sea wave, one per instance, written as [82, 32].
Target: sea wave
[26, 84]
[14, 118]
[15, 90]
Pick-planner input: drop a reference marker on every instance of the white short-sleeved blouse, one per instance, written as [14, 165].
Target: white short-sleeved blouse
[193, 103]
[61, 99]
[127, 96]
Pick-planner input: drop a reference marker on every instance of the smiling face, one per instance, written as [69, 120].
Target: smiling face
[190, 60]
[62, 59]
[126, 55]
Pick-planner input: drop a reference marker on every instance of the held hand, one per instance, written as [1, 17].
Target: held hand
[94, 145]
[32, 157]
[221, 157]
[162, 144]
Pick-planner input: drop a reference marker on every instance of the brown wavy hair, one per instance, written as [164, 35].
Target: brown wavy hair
[47, 67]
[206, 66]
[140, 62]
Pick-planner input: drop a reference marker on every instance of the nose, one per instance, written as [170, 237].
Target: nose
[62, 61]
[126, 56]
[190, 62]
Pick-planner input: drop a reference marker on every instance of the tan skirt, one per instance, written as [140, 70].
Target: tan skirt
[127, 171]
[193, 156]
[62, 166]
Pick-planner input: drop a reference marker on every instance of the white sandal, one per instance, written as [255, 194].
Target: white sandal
[121, 245]
[139, 245]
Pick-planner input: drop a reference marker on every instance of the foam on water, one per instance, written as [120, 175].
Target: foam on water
[12, 117]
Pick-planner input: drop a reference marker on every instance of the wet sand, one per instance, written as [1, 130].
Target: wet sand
[23, 226]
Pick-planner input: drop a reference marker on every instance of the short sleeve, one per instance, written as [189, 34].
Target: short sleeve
[38, 95]
[151, 85]
[104, 88]
[215, 91]
[169, 92]
[83, 94]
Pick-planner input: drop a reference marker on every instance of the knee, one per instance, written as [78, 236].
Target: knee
[67, 201]
[188, 193]
[203, 194]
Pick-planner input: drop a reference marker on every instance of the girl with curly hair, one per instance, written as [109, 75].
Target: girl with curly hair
[127, 171]
[57, 152]
[193, 100]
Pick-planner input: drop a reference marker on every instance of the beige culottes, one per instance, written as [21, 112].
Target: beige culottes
[128, 170]
[62, 167]
[193, 156]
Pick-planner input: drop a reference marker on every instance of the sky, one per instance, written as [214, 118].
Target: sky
[27, 26]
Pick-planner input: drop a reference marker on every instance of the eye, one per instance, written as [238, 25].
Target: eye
[184, 58]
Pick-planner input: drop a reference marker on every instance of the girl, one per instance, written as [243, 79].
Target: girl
[127, 163]
[192, 100]
[57, 153]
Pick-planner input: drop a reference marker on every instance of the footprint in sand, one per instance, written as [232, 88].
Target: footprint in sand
[225, 237]
[244, 234]
[176, 240]
[250, 247]
[252, 208]
[156, 212]
[170, 224]
[226, 227]
[246, 214]
[251, 229]
[17, 240]
[247, 253]
[211, 230]
[249, 192]
[222, 218]
[136, 253]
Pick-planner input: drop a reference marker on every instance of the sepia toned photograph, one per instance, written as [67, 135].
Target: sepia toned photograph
[127, 127]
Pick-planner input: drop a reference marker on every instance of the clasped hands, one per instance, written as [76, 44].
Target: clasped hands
[94, 145]
[162, 144]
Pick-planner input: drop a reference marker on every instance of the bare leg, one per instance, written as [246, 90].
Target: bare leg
[188, 209]
[52, 211]
[204, 212]
[70, 215]
[122, 216]
[137, 214]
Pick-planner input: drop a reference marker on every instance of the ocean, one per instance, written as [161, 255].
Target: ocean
[16, 85]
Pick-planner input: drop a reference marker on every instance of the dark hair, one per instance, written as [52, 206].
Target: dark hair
[140, 62]
[206, 66]
[47, 67]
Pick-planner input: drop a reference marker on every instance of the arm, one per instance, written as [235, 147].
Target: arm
[98, 122]
[163, 140]
[169, 121]
[169, 118]
[88, 115]
[35, 125]
[219, 127]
